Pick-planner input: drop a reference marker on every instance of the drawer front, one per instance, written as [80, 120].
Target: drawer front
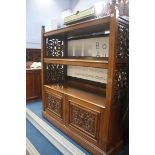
[54, 104]
[84, 119]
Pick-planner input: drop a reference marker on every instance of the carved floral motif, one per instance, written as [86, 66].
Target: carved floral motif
[55, 73]
[54, 104]
[121, 85]
[54, 47]
[83, 119]
[122, 52]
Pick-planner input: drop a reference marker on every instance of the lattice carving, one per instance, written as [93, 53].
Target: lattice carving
[121, 86]
[54, 104]
[54, 47]
[122, 52]
[84, 120]
[55, 73]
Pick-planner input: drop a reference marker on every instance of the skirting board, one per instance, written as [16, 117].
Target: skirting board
[62, 144]
[30, 149]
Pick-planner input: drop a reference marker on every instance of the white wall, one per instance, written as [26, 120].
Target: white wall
[41, 12]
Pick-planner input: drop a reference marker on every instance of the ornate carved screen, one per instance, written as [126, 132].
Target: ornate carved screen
[54, 47]
[122, 52]
[55, 73]
[121, 74]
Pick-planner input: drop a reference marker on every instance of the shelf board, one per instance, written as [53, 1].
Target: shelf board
[79, 94]
[78, 62]
[86, 27]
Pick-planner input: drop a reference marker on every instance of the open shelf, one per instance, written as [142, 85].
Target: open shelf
[78, 62]
[79, 94]
[90, 26]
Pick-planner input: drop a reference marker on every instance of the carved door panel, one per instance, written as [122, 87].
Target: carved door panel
[54, 104]
[84, 118]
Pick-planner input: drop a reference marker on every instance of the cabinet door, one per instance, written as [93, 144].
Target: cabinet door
[84, 118]
[54, 104]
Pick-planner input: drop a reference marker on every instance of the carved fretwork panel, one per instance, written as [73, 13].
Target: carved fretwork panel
[54, 47]
[122, 52]
[55, 73]
[54, 104]
[121, 86]
[85, 120]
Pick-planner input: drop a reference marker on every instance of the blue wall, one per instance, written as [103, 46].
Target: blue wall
[41, 12]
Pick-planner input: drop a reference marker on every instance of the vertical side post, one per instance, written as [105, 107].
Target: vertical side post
[110, 83]
[43, 52]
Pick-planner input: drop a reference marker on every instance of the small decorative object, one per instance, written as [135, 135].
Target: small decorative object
[80, 16]
[82, 53]
[73, 51]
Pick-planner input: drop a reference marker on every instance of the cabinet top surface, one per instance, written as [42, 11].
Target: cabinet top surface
[80, 94]
[86, 27]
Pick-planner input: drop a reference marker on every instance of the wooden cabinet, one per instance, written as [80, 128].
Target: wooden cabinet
[33, 84]
[87, 110]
